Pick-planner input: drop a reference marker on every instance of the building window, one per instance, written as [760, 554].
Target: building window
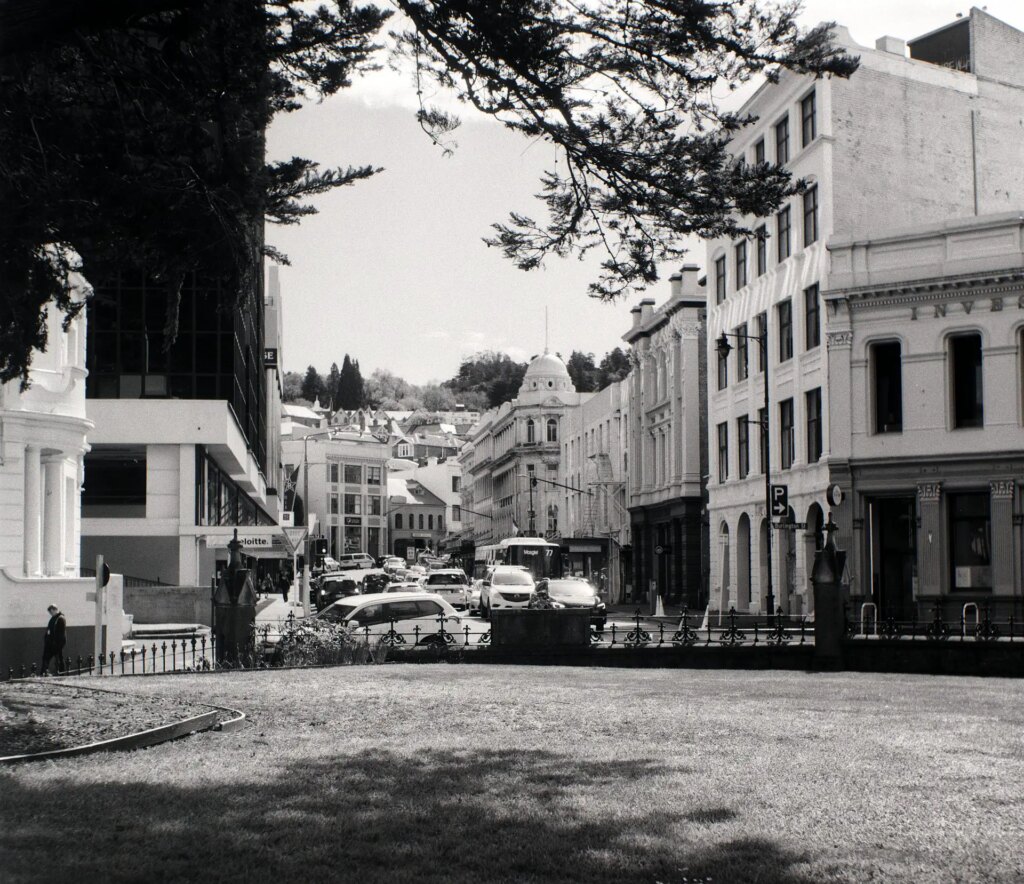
[783, 228]
[787, 433]
[334, 473]
[115, 484]
[430, 521]
[785, 316]
[720, 279]
[398, 521]
[761, 241]
[456, 484]
[373, 541]
[531, 432]
[552, 430]
[373, 475]
[723, 370]
[456, 513]
[353, 504]
[887, 384]
[968, 395]
[741, 264]
[742, 349]
[808, 119]
[334, 504]
[812, 401]
[743, 445]
[762, 348]
[970, 541]
[723, 452]
[353, 474]
[759, 155]
[782, 140]
[374, 503]
[762, 421]
[811, 215]
[812, 317]
[420, 521]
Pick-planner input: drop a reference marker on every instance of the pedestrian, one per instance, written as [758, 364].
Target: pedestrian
[54, 640]
[540, 600]
[267, 586]
[285, 583]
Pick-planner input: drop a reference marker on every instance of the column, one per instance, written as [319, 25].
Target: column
[1001, 522]
[53, 515]
[33, 511]
[930, 540]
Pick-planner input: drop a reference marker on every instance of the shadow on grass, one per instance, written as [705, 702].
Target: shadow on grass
[377, 815]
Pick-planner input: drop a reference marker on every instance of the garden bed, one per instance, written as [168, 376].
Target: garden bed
[48, 715]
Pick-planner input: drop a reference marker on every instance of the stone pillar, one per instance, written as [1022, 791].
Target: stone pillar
[1002, 492]
[930, 540]
[53, 516]
[33, 511]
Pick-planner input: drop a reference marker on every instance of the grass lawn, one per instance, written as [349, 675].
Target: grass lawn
[440, 773]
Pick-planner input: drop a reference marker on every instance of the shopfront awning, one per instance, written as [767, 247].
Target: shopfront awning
[259, 542]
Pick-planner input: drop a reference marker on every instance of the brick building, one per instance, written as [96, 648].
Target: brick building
[923, 131]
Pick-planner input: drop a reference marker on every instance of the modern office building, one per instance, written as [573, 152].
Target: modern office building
[922, 132]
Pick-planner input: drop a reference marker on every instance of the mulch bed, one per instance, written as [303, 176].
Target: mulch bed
[40, 716]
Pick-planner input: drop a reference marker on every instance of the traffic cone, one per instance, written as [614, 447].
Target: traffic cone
[659, 608]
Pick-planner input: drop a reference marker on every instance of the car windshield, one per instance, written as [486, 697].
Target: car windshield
[577, 590]
[338, 611]
[513, 578]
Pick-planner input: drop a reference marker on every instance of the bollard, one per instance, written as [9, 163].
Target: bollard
[829, 617]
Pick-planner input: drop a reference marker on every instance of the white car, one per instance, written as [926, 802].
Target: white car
[451, 584]
[416, 618]
[356, 560]
[505, 586]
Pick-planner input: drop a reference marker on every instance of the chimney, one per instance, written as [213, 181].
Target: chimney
[646, 309]
[636, 317]
[689, 273]
[676, 283]
[892, 45]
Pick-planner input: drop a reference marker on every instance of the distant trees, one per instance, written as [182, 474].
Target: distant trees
[312, 384]
[491, 374]
[582, 371]
[348, 391]
[291, 386]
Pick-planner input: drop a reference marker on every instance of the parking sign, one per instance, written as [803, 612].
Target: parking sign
[780, 500]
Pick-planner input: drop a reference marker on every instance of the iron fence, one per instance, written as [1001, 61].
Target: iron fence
[974, 624]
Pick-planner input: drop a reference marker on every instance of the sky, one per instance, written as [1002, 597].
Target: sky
[394, 270]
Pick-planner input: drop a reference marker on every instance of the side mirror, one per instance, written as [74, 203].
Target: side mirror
[352, 624]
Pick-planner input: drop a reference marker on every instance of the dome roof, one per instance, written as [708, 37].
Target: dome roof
[547, 365]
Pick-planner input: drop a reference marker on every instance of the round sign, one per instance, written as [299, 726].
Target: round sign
[659, 550]
[834, 495]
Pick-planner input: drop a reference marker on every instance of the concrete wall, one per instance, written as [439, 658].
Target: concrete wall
[151, 558]
[169, 604]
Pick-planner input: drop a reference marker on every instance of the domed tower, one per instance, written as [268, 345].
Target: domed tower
[545, 375]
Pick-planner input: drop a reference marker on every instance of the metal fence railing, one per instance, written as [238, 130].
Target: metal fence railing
[974, 623]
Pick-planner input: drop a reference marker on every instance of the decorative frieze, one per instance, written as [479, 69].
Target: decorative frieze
[837, 339]
[1002, 489]
[929, 492]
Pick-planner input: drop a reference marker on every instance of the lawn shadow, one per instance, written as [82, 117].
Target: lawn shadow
[376, 815]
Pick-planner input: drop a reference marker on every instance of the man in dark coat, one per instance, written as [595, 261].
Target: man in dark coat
[54, 640]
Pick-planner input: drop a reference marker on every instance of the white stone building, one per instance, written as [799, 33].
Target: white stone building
[910, 138]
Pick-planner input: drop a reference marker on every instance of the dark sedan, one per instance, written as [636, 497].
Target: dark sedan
[575, 593]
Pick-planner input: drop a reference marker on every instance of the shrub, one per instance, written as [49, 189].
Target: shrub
[319, 642]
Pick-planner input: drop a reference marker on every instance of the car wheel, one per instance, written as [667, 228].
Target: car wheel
[432, 641]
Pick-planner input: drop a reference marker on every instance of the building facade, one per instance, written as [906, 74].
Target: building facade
[182, 446]
[911, 136]
[340, 478]
[666, 455]
[926, 360]
[416, 516]
[595, 523]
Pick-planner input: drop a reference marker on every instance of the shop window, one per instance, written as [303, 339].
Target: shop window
[968, 394]
[887, 385]
[970, 541]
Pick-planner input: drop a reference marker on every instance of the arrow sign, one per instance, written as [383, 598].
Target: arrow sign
[780, 500]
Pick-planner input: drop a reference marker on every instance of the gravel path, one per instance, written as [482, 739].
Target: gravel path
[42, 715]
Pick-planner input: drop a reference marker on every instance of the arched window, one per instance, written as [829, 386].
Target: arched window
[398, 520]
[531, 434]
[421, 521]
[430, 521]
[552, 430]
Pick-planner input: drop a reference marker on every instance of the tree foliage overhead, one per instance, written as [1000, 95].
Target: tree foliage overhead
[132, 130]
[626, 89]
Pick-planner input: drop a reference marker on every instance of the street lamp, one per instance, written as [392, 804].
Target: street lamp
[305, 512]
[723, 347]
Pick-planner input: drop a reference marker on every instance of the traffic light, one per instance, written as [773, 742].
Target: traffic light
[533, 481]
[320, 546]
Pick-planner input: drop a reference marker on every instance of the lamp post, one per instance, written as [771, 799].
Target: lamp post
[724, 348]
[305, 513]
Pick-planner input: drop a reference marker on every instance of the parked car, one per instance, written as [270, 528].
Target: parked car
[375, 580]
[372, 615]
[356, 560]
[327, 565]
[406, 586]
[452, 585]
[393, 563]
[505, 586]
[328, 588]
[474, 596]
[575, 593]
